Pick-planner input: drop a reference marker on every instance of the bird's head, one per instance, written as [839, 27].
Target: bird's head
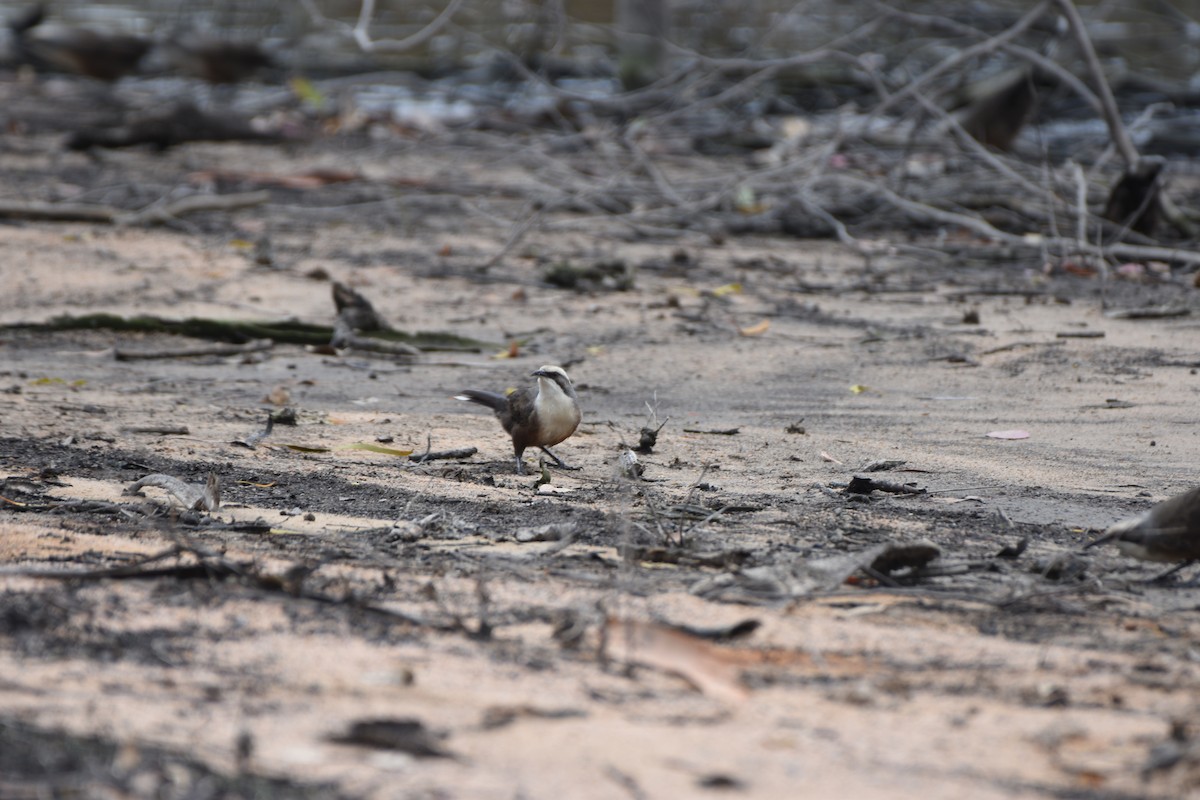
[555, 375]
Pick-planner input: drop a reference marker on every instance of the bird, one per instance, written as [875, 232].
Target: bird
[539, 416]
[1000, 108]
[1135, 198]
[217, 60]
[1168, 531]
[103, 55]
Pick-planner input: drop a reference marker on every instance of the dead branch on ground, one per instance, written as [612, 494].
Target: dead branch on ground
[156, 213]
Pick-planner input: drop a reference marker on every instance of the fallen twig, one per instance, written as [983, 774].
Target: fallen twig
[190, 495]
[1108, 103]
[155, 213]
[239, 331]
[134, 570]
[436, 455]
[345, 338]
[166, 430]
[168, 211]
[1153, 312]
[254, 346]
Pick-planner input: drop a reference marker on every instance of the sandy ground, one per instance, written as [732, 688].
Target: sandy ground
[1003, 679]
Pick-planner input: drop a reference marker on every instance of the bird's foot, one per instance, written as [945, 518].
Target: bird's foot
[1166, 577]
[558, 462]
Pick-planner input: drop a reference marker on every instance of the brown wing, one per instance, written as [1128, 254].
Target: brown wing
[517, 418]
[1182, 511]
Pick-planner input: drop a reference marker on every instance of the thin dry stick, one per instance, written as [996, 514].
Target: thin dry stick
[667, 88]
[167, 211]
[651, 169]
[366, 14]
[1081, 209]
[952, 62]
[161, 211]
[257, 345]
[983, 228]
[1112, 116]
[970, 143]
[1108, 104]
[516, 234]
[1050, 67]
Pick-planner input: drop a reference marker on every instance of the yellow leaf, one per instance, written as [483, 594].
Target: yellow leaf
[377, 448]
[299, 448]
[307, 92]
[756, 330]
[241, 244]
[729, 288]
[858, 388]
[513, 351]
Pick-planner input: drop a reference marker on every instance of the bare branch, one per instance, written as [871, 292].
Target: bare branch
[1108, 103]
[366, 13]
[963, 56]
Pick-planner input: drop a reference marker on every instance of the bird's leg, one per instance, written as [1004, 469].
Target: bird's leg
[520, 465]
[558, 461]
[1162, 576]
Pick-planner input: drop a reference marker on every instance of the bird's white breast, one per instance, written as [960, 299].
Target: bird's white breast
[558, 415]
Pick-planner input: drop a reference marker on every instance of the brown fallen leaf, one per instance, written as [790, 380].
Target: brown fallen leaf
[756, 330]
[513, 351]
[710, 669]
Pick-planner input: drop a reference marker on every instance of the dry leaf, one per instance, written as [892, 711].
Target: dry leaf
[300, 448]
[709, 668]
[826, 457]
[729, 288]
[756, 330]
[377, 448]
[513, 351]
[279, 396]
[858, 388]
[1082, 270]
[1015, 434]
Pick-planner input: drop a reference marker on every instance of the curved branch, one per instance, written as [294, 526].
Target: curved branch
[1108, 104]
[362, 29]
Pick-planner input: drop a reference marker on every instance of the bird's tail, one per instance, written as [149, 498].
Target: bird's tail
[492, 400]
[1114, 531]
